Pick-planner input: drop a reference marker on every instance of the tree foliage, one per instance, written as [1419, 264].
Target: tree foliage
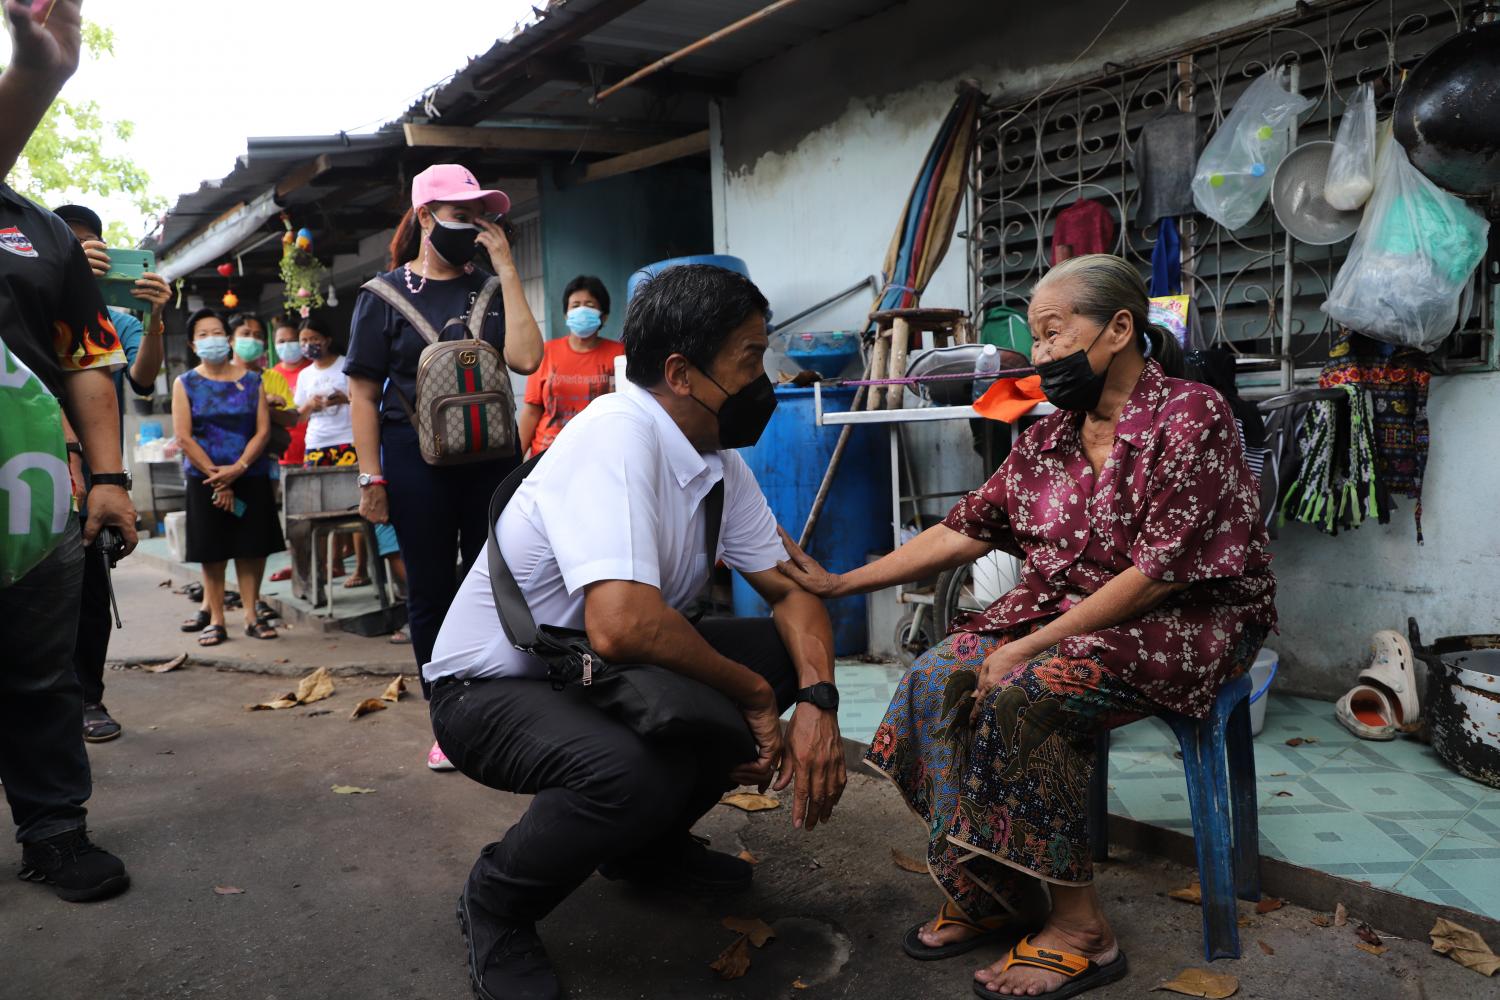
[71, 155]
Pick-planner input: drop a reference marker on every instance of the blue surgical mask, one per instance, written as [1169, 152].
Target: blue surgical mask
[584, 321]
[289, 351]
[212, 349]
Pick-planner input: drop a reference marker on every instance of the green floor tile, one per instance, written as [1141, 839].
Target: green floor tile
[1329, 838]
[1469, 884]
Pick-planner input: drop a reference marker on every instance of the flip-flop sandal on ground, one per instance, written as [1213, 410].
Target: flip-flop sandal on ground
[285, 573]
[1083, 974]
[192, 591]
[399, 638]
[1385, 701]
[260, 630]
[265, 613]
[985, 931]
[213, 635]
[357, 580]
[232, 600]
[197, 623]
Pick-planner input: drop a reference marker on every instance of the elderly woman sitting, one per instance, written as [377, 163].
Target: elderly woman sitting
[1146, 585]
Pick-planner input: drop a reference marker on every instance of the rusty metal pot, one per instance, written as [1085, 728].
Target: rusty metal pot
[1463, 701]
[1447, 114]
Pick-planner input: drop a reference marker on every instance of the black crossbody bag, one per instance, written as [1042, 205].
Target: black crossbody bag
[657, 703]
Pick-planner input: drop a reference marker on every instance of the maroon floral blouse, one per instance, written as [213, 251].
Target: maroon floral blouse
[1174, 499]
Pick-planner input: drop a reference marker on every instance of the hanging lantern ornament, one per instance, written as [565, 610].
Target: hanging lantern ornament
[332, 298]
[304, 239]
[226, 270]
[230, 299]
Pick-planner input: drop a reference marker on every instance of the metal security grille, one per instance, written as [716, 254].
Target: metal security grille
[1256, 291]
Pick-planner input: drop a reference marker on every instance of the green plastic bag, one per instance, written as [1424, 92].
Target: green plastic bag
[36, 489]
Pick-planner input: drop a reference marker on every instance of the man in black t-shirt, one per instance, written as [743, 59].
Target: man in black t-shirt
[53, 318]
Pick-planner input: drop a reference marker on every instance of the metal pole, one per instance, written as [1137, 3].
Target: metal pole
[871, 281]
[1288, 364]
[830, 472]
[681, 53]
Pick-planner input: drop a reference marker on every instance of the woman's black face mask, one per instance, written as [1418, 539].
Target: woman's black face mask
[453, 241]
[1070, 382]
[743, 415]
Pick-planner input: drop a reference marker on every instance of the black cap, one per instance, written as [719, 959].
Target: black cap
[77, 213]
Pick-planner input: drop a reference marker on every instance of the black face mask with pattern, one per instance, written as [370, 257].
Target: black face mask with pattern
[1070, 383]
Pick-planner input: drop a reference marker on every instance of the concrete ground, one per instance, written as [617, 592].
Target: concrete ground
[351, 896]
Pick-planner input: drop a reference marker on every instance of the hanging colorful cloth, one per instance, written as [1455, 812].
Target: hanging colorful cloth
[1397, 380]
[1337, 487]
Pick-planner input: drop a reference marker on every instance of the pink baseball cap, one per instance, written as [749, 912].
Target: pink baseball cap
[452, 182]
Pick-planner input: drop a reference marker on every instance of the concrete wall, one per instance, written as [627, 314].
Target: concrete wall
[815, 155]
[1335, 591]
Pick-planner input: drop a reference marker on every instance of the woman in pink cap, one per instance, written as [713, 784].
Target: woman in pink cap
[439, 512]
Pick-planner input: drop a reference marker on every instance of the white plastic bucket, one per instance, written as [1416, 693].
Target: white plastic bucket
[1262, 671]
[176, 527]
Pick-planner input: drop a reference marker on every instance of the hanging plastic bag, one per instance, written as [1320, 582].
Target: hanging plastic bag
[1351, 166]
[1234, 173]
[1410, 260]
[36, 489]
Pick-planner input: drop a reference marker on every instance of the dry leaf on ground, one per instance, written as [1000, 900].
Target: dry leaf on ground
[160, 668]
[750, 801]
[1340, 915]
[288, 700]
[1192, 894]
[1267, 904]
[352, 790]
[315, 686]
[1283, 794]
[1373, 949]
[1266, 948]
[748, 857]
[907, 863]
[366, 707]
[1297, 741]
[754, 928]
[394, 690]
[1367, 934]
[1202, 983]
[1321, 921]
[734, 961]
[1464, 946]
[798, 984]
[228, 890]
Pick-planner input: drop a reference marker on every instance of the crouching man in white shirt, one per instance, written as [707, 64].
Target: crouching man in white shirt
[607, 534]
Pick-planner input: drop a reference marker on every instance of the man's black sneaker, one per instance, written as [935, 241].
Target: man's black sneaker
[75, 868]
[98, 727]
[684, 864]
[506, 961]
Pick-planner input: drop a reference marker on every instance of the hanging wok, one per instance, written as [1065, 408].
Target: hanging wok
[1447, 114]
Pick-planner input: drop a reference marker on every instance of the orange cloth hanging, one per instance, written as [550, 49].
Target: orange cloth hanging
[1010, 399]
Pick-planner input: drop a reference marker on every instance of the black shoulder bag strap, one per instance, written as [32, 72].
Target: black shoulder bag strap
[510, 603]
[713, 511]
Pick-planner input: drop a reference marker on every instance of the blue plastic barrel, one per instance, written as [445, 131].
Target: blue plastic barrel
[788, 462]
[725, 261]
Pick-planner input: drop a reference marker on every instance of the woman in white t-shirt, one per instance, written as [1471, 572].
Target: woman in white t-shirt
[322, 398]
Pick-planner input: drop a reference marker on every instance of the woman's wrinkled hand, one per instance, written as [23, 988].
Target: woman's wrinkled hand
[224, 499]
[373, 505]
[803, 570]
[996, 667]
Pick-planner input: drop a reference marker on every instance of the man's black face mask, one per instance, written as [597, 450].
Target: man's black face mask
[743, 415]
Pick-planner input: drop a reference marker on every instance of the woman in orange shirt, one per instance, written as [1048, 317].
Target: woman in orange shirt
[575, 370]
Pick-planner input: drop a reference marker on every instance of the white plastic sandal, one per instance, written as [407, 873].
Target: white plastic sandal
[1385, 701]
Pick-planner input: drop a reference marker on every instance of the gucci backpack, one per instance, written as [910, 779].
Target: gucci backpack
[463, 408]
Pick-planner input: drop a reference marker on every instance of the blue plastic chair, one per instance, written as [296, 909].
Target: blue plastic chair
[1219, 761]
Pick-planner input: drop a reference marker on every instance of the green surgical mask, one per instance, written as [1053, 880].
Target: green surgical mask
[248, 348]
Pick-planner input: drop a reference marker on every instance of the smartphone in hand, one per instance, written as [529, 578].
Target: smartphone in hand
[125, 266]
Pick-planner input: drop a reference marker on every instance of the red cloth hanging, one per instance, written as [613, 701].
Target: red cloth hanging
[1083, 227]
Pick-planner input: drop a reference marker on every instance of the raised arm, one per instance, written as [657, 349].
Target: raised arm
[523, 338]
[46, 41]
[935, 550]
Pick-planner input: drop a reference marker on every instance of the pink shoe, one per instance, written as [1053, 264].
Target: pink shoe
[438, 761]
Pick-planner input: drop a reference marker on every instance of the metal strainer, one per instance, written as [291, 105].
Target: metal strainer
[1297, 198]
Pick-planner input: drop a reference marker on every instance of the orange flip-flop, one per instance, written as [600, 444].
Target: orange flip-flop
[985, 930]
[1083, 974]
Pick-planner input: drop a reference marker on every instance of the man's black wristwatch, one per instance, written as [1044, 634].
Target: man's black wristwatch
[121, 479]
[824, 696]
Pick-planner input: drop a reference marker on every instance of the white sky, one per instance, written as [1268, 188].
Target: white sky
[199, 76]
